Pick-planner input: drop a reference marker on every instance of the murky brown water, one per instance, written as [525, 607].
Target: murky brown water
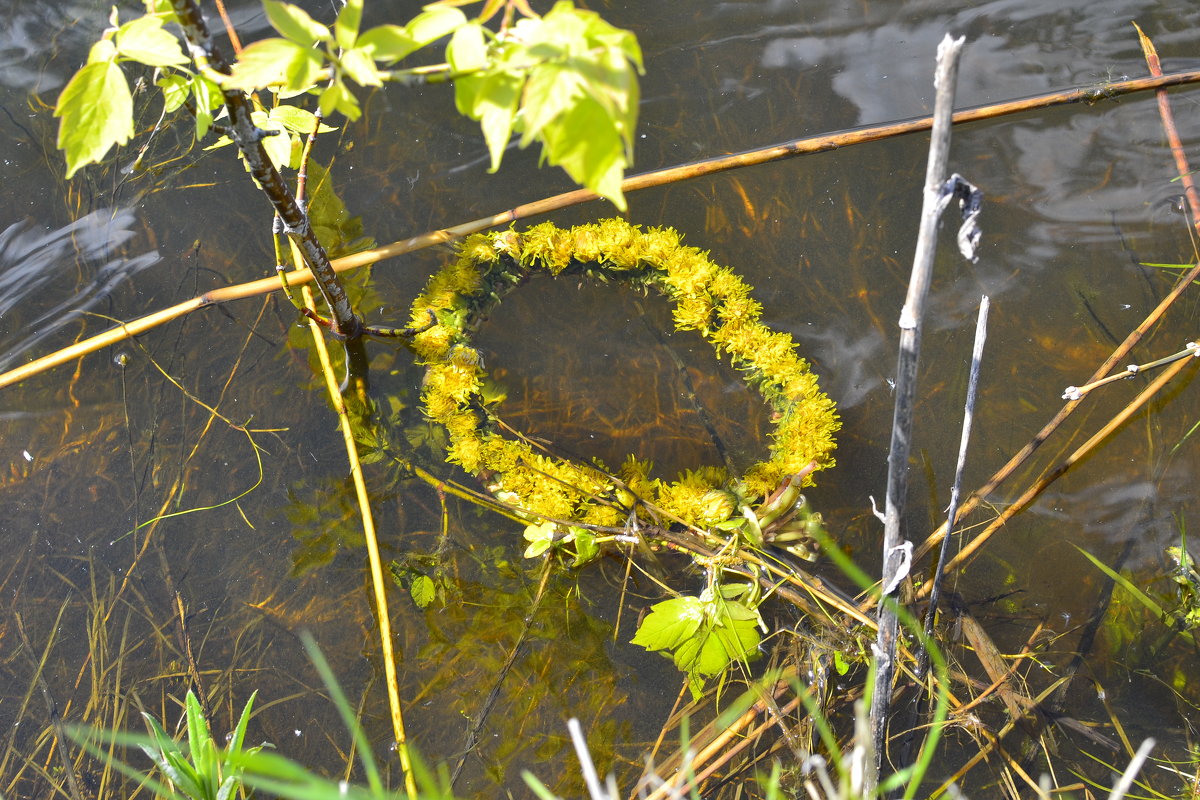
[1076, 199]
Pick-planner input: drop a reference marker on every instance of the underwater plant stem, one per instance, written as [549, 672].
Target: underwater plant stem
[383, 617]
[480, 718]
[796, 147]
[895, 566]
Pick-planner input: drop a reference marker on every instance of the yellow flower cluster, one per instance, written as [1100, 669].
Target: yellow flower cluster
[708, 298]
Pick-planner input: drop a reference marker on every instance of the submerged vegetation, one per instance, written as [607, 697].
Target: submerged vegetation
[184, 620]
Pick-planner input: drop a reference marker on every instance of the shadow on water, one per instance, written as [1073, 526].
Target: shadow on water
[1077, 199]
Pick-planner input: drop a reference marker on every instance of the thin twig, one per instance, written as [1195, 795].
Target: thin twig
[895, 566]
[480, 718]
[956, 487]
[1060, 469]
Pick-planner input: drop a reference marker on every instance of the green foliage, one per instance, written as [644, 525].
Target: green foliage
[97, 112]
[198, 769]
[705, 634]
[567, 80]
[1136, 593]
[201, 770]
[205, 771]
[423, 577]
[540, 536]
[579, 543]
[96, 107]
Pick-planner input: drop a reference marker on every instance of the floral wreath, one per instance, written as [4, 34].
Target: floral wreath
[708, 298]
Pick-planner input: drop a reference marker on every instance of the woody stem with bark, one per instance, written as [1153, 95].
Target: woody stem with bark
[248, 138]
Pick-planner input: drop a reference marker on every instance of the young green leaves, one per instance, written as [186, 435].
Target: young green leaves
[567, 80]
[96, 107]
[704, 634]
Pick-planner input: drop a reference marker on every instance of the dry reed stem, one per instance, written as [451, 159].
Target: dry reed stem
[894, 568]
[1059, 470]
[795, 147]
[383, 616]
[1117, 355]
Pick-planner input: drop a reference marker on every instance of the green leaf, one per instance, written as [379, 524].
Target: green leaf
[540, 537]
[732, 591]
[718, 646]
[96, 111]
[102, 51]
[492, 99]
[553, 89]
[1146, 600]
[206, 97]
[467, 50]
[281, 147]
[298, 120]
[388, 43]
[670, 623]
[175, 88]
[423, 591]
[585, 546]
[345, 27]
[360, 67]
[198, 733]
[433, 23]
[337, 97]
[238, 735]
[275, 62]
[162, 8]
[586, 144]
[295, 24]
[144, 40]
[582, 94]
[227, 788]
[497, 112]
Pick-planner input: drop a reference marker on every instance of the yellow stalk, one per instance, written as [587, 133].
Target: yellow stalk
[377, 582]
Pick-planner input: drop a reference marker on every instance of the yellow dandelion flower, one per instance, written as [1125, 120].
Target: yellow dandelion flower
[658, 244]
[432, 344]
[585, 240]
[693, 313]
[739, 309]
[507, 243]
[467, 453]
[478, 248]
[438, 405]
[609, 516]
[725, 283]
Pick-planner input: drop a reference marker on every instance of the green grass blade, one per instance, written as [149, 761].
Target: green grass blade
[345, 710]
[239, 732]
[1149, 602]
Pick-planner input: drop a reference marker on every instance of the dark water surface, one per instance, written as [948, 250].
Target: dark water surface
[1076, 200]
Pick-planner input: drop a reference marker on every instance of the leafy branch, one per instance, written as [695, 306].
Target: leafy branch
[567, 79]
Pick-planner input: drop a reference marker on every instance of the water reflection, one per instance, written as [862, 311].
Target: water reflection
[34, 261]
